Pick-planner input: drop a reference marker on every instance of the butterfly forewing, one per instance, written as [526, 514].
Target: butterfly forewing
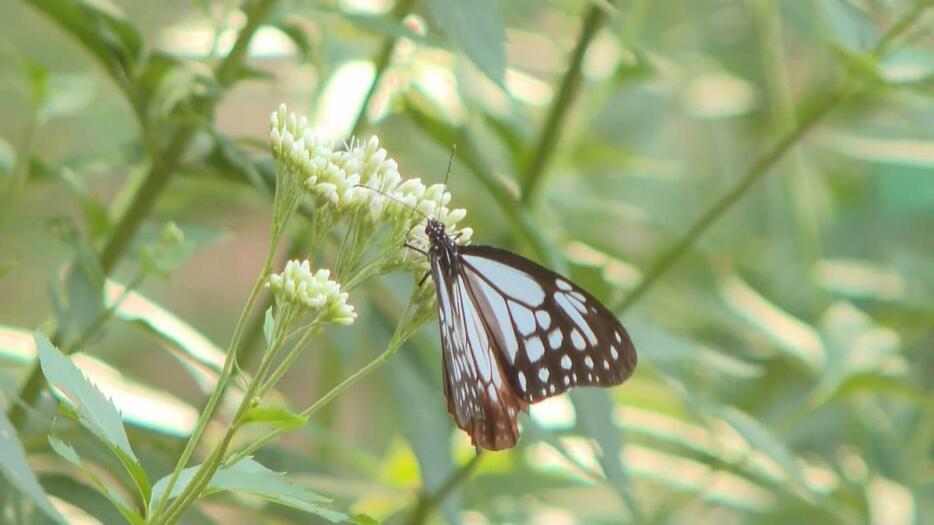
[553, 334]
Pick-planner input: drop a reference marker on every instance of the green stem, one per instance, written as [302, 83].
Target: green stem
[208, 412]
[405, 330]
[214, 461]
[287, 362]
[427, 502]
[532, 177]
[383, 59]
[752, 175]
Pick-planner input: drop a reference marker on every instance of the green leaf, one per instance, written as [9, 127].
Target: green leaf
[95, 411]
[95, 214]
[253, 478]
[101, 30]
[595, 418]
[476, 28]
[277, 416]
[16, 469]
[269, 327]
[69, 454]
[297, 34]
[760, 438]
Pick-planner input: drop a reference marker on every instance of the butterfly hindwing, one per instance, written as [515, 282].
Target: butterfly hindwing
[551, 334]
[479, 395]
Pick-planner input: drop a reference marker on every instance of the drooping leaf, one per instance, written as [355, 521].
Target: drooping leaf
[69, 454]
[16, 470]
[251, 477]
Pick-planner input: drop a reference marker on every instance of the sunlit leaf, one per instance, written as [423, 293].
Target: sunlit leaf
[793, 336]
[762, 439]
[202, 358]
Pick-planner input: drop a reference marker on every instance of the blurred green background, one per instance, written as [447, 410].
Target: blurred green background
[750, 183]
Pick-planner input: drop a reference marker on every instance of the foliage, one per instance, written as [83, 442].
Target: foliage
[748, 184]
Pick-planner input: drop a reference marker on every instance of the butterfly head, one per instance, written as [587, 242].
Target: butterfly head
[436, 233]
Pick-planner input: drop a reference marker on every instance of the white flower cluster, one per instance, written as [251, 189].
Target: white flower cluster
[360, 177]
[316, 291]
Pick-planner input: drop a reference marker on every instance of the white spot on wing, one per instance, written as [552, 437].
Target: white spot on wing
[521, 380]
[544, 320]
[575, 316]
[534, 349]
[588, 361]
[511, 281]
[543, 374]
[614, 353]
[555, 338]
[561, 283]
[566, 362]
[523, 317]
[577, 340]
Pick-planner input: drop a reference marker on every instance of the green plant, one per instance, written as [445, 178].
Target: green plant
[782, 311]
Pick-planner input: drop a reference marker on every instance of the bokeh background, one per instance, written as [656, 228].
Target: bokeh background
[749, 183]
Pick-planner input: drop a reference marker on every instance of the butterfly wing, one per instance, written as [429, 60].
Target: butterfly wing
[479, 394]
[549, 333]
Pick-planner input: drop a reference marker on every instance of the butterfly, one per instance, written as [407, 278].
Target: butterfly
[513, 333]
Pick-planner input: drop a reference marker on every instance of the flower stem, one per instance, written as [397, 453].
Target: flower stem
[404, 330]
[208, 412]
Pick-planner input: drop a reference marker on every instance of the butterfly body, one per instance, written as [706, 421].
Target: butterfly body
[514, 333]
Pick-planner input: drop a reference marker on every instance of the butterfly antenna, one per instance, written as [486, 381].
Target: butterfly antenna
[450, 163]
[391, 197]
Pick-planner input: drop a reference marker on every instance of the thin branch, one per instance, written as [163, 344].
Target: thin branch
[428, 501]
[532, 177]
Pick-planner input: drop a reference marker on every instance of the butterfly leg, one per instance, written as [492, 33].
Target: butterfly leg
[416, 248]
[422, 281]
